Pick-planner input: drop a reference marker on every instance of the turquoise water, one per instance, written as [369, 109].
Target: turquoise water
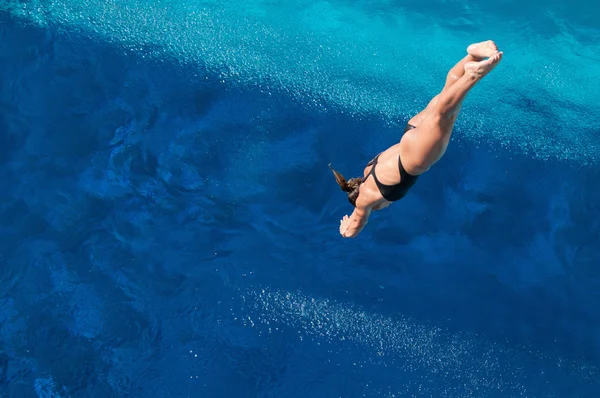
[375, 57]
[169, 223]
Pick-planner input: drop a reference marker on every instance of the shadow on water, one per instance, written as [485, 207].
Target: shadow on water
[144, 205]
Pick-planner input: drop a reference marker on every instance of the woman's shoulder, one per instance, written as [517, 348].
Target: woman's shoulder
[369, 193]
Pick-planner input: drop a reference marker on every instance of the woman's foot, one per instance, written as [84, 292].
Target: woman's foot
[482, 49]
[481, 68]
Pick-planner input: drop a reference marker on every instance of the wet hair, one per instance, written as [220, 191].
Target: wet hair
[351, 186]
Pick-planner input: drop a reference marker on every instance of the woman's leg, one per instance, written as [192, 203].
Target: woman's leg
[475, 52]
[422, 147]
[450, 100]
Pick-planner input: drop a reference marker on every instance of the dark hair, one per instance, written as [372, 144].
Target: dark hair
[350, 186]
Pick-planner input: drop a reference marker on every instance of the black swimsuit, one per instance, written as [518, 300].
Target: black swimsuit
[397, 191]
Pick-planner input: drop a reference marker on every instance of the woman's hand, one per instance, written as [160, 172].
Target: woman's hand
[345, 226]
[350, 226]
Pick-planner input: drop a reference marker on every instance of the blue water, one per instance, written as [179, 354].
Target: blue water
[169, 222]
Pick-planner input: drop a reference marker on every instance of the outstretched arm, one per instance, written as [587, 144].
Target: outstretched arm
[351, 226]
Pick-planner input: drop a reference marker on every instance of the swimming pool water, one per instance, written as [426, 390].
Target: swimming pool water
[169, 223]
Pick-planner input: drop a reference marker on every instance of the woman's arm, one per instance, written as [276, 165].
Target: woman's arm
[351, 226]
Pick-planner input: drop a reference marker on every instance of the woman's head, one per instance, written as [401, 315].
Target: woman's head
[351, 186]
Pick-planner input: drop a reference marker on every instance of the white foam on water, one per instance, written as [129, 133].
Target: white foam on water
[370, 58]
[463, 360]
